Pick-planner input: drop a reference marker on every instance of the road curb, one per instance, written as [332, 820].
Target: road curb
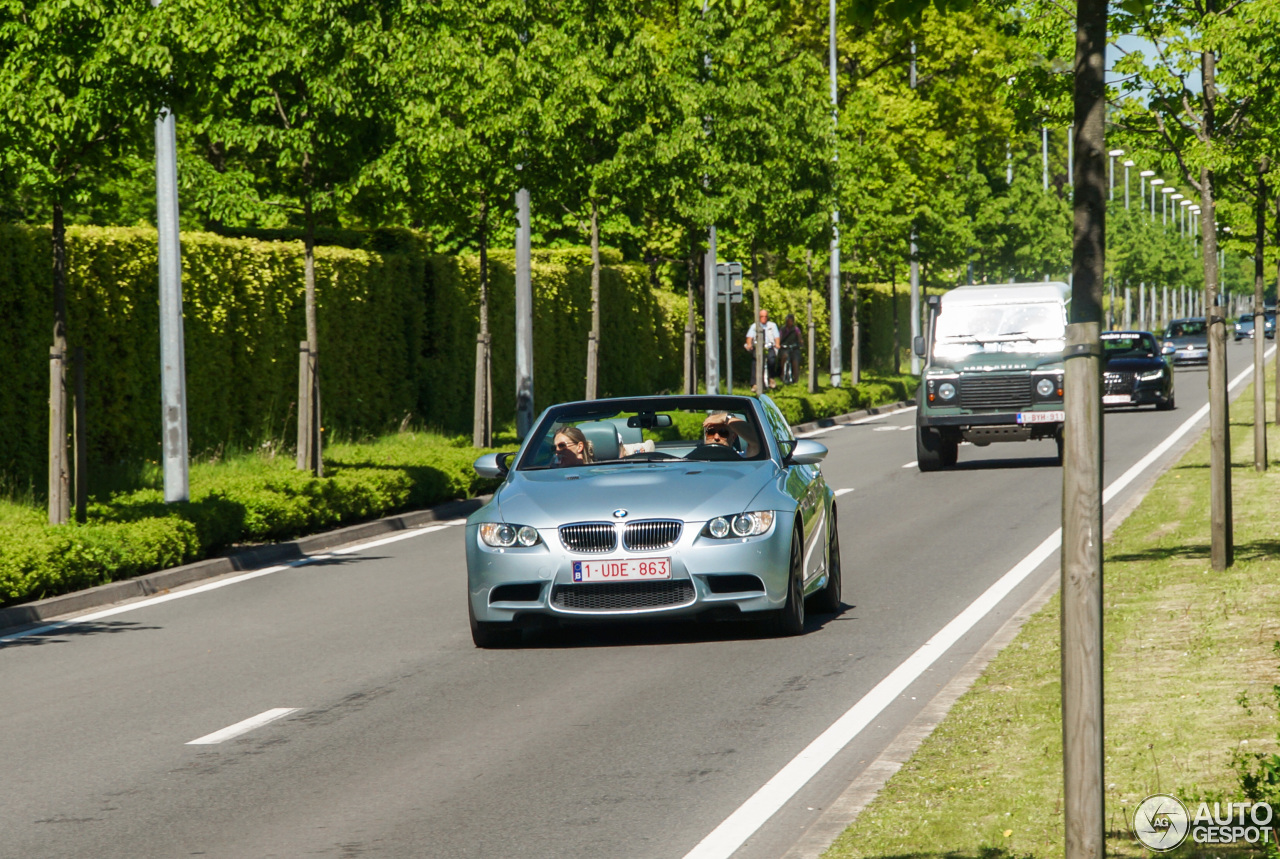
[249, 558]
[237, 560]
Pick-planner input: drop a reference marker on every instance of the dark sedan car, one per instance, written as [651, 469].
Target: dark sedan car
[1186, 341]
[1134, 372]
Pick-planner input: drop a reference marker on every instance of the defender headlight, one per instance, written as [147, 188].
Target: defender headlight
[946, 391]
[1044, 387]
[741, 525]
[500, 535]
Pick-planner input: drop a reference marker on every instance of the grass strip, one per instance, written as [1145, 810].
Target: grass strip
[1189, 668]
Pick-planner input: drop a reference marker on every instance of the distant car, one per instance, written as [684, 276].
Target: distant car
[1244, 326]
[668, 515]
[1134, 373]
[1186, 341]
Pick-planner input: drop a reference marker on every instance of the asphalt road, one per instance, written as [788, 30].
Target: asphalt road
[403, 740]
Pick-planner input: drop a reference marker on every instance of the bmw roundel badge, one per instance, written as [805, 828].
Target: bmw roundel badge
[619, 513]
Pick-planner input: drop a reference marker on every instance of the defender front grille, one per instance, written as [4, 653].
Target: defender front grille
[589, 537]
[995, 392]
[1118, 383]
[623, 596]
[648, 535]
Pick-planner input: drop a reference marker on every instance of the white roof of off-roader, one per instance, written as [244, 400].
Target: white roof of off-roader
[1007, 293]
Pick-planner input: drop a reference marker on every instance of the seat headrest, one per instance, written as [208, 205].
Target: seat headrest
[603, 436]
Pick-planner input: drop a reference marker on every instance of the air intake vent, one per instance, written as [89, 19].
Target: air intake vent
[645, 536]
[995, 392]
[589, 537]
[627, 596]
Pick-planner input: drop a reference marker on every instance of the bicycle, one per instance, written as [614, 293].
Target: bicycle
[788, 370]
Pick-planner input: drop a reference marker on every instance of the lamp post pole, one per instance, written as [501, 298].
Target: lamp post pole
[915, 263]
[1127, 165]
[836, 333]
[1111, 170]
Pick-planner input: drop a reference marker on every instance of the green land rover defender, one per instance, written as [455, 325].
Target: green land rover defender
[993, 368]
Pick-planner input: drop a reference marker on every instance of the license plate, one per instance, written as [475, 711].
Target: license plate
[1110, 399]
[1041, 417]
[622, 570]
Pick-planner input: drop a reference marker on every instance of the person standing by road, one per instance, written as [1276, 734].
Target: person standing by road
[791, 341]
[769, 331]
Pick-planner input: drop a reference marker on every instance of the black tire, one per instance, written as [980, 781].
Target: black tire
[1061, 443]
[929, 454]
[1168, 405]
[950, 451]
[789, 620]
[827, 600]
[491, 635]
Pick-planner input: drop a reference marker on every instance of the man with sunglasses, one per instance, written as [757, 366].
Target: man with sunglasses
[723, 428]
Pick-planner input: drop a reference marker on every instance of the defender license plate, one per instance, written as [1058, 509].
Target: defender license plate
[622, 570]
[1041, 417]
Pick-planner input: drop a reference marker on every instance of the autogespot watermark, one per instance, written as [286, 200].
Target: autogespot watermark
[1162, 822]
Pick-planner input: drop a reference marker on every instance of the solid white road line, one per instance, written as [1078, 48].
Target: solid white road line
[726, 838]
[858, 422]
[912, 464]
[243, 727]
[840, 492]
[222, 583]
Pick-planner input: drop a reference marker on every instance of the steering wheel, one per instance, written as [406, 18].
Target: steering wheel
[714, 453]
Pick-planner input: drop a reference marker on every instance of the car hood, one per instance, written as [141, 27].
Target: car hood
[690, 491]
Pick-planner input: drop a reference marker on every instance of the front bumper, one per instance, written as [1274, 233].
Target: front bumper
[1190, 355]
[730, 576]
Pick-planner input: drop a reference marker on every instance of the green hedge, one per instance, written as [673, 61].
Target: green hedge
[254, 499]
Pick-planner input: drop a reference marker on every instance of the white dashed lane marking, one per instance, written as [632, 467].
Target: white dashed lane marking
[243, 727]
[840, 492]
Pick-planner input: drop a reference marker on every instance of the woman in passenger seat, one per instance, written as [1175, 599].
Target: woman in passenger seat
[572, 448]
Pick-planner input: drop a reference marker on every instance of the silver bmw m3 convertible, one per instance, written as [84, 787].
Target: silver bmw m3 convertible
[654, 507]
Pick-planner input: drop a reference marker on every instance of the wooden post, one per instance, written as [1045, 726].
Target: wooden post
[1082, 711]
[593, 338]
[855, 364]
[1259, 325]
[304, 406]
[59, 502]
[81, 430]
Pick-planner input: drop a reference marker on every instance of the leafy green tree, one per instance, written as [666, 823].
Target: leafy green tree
[80, 84]
[292, 98]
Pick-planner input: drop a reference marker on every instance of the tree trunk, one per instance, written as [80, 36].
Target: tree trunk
[1081, 447]
[1260, 324]
[758, 341]
[314, 453]
[855, 360]
[1221, 549]
[59, 481]
[690, 326]
[893, 293]
[482, 428]
[593, 339]
[813, 369]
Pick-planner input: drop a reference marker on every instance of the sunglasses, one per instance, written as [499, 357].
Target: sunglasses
[722, 432]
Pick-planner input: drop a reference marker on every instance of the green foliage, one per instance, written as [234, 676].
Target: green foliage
[251, 499]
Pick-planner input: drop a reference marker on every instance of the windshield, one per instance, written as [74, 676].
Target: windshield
[644, 432]
[1188, 328]
[1027, 328]
[1128, 345]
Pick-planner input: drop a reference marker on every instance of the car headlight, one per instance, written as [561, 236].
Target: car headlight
[1150, 375]
[500, 535]
[946, 391]
[740, 525]
[1044, 387]
[1049, 387]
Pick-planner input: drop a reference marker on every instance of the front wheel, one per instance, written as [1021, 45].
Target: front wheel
[935, 451]
[789, 620]
[489, 635]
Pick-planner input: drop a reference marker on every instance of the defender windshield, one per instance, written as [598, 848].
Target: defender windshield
[643, 432]
[1026, 328]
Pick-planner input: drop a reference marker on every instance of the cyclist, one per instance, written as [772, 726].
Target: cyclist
[791, 341]
[769, 331]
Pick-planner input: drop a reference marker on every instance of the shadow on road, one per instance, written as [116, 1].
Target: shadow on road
[74, 630]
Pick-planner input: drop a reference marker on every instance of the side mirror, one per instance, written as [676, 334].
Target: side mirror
[917, 345]
[493, 464]
[806, 452]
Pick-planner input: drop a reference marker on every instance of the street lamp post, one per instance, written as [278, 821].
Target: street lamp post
[1127, 165]
[1154, 185]
[1142, 189]
[1111, 169]
[1164, 205]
